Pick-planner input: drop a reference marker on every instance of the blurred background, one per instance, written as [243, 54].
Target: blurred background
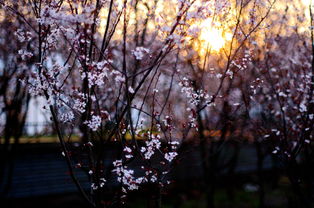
[253, 147]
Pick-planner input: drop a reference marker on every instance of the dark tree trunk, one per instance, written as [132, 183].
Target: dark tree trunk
[154, 199]
[292, 172]
[260, 161]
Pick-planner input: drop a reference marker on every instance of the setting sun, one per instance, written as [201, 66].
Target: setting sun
[211, 38]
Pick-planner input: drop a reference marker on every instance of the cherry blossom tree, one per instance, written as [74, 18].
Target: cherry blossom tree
[278, 97]
[149, 75]
[91, 82]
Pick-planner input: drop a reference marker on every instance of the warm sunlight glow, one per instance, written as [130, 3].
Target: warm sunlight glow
[211, 38]
[307, 2]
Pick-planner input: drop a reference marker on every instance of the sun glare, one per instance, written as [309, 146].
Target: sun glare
[211, 38]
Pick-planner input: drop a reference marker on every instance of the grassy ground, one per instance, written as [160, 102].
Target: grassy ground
[242, 198]
[192, 198]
